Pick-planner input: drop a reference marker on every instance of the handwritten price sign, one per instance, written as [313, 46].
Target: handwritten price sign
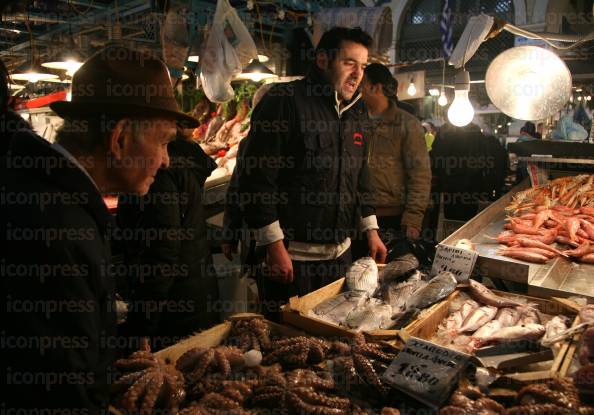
[458, 261]
[426, 371]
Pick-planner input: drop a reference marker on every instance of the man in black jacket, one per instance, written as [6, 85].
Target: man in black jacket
[173, 287]
[58, 311]
[304, 177]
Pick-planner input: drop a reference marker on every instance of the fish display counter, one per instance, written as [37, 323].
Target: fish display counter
[551, 251]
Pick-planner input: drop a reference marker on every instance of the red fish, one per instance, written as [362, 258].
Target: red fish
[537, 244]
[588, 228]
[572, 225]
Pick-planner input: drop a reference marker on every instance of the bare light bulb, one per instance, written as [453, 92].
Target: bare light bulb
[442, 100]
[412, 89]
[461, 112]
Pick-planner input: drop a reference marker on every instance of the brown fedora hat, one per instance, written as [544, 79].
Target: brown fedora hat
[120, 81]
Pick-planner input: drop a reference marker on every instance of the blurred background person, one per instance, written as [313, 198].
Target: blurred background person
[470, 167]
[399, 167]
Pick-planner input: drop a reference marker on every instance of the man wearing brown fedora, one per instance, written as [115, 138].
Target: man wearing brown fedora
[58, 309]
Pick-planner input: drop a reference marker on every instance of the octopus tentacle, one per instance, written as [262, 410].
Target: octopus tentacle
[152, 394]
[129, 365]
[132, 395]
[186, 361]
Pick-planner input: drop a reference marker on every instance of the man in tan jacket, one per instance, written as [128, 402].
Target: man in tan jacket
[399, 166]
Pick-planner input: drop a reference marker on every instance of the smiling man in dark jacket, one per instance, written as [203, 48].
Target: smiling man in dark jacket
[304, 177]
[173, 287]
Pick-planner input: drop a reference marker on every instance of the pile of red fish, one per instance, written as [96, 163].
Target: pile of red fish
[561, 212]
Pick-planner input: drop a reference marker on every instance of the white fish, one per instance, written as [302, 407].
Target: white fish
[519, 332]
[375, 314]
[396, 294]
[483, 333]
[455, 320]
[440, 286]
[488, 329]
[478, 318]
[529, 315]
[508, 316]
[399, 267]
[554, 328]
[485, 296]
[363, 275]
[468, 307]
[336, 309]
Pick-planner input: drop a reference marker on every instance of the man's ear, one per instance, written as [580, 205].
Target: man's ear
[117, 138]
[322, 60]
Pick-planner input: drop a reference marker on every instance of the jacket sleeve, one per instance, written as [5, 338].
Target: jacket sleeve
[261, 163]
[417, 169]
[232, 218]
[368, 218]
[155, 264]
[68, 367]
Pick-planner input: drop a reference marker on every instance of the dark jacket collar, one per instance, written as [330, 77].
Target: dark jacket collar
[325, 89]
[47, 164]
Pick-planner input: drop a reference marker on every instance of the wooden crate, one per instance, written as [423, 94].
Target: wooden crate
[296, 314]
[426, 327]
[217, 334]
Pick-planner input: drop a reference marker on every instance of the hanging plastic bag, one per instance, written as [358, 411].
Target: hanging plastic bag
[229, 47]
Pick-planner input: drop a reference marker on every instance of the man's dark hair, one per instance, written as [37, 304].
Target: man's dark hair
[376, 73]
[331, 40]
[529, 128]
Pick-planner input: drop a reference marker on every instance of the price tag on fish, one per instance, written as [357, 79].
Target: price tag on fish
[458, 261]
[426, 371]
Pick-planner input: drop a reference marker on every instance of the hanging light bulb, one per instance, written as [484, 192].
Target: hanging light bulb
[461, 112]
[412, 89]
[442, 100]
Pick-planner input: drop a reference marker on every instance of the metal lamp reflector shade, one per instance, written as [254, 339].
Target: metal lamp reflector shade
[528, 83]
[256, 71]
[70, 66]
[33, 74]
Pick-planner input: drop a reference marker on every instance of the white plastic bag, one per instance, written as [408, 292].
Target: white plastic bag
[228, 49]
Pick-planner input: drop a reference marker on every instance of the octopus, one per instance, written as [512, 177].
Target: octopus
[214, 404]
[199, 362]
[224, 398]
[301, 391]
[470, 400]
[250, 334]
[247, 378]
[363, 363]
[297, 352]
[148, 384]
[557, 396]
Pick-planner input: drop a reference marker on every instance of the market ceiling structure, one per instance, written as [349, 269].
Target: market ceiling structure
[42, 29]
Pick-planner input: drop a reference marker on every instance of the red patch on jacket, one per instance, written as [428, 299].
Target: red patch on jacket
[358, 139]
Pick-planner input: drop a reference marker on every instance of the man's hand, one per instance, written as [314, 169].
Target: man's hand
[377, 249]
[280, 266]
[412, 233]
[229, 250]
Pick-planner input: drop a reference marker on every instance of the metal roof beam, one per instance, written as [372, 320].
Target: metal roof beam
[134, 7]
[84, 3]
